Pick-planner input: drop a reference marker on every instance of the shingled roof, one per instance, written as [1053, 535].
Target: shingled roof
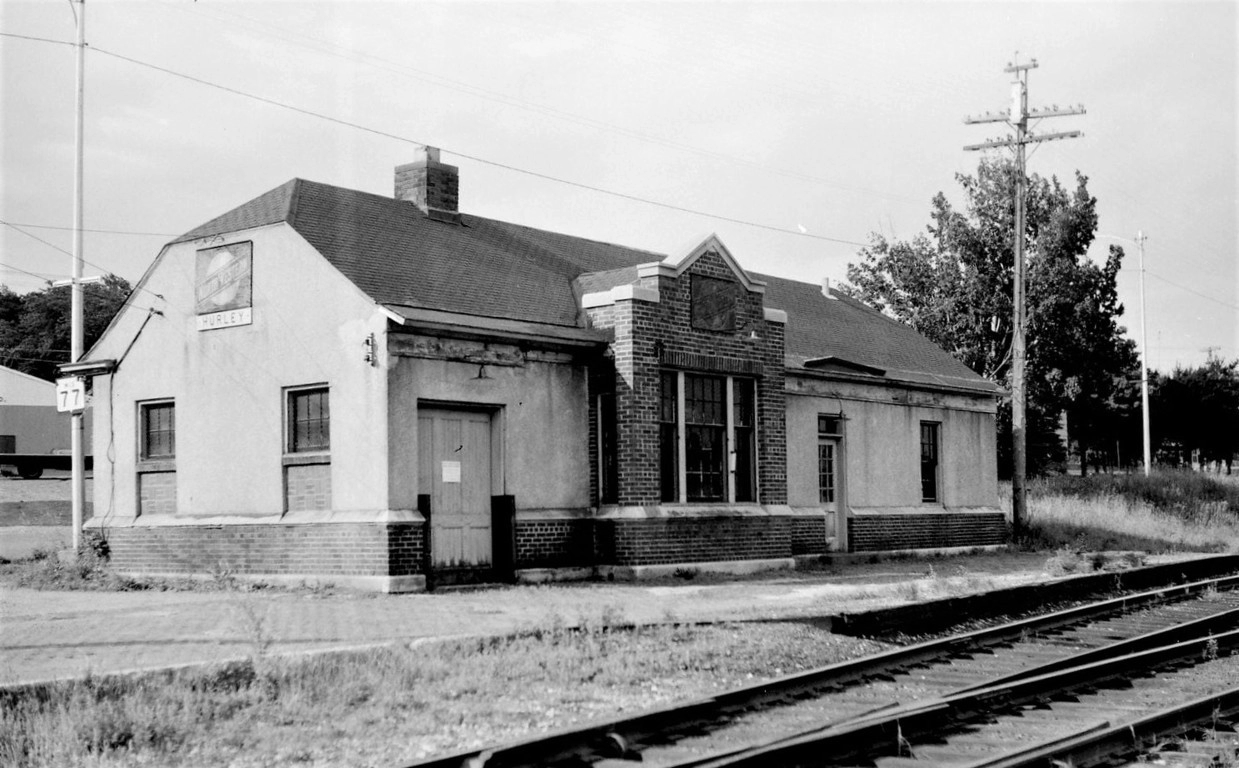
[849, 331]
[400, 257]
[487, 268]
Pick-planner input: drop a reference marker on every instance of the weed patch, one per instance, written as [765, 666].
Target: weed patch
[1168, 511]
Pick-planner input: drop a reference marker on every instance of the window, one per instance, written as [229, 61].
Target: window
[309, 420]
[707, 438]
[743, 432]
[829, 431]
[669, 437]
[608, 439]
[929, 461]
[158, 439]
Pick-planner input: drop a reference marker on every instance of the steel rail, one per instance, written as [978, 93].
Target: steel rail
[615, 737]
[1098, 745]
[885, 735]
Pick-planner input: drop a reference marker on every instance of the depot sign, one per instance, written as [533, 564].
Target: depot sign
[224, 286]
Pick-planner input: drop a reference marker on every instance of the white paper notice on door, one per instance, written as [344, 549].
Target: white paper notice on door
[451, 471]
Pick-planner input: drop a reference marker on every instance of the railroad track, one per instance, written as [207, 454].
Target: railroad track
[958, 685]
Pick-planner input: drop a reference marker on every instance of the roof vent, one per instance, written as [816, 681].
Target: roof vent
[431, 185]
[826, 291]
[833, 362]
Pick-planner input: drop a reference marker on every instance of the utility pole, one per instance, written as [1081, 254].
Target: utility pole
[77, 425]
[1017, 117]
[1144, 363]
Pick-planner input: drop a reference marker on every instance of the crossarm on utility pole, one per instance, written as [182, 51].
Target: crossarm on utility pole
[1018, 118]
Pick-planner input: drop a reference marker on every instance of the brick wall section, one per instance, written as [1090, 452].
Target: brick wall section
[693, 539]
[157, 493]
[342, 549]
[554, 543]
[307, 487]
[772, 420]
[809, 536]
[428, 184]
[646, 332]
[879, 533]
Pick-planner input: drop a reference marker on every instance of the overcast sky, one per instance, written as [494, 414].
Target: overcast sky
[823, 122]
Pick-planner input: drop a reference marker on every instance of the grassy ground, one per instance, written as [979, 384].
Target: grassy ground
[381, 707]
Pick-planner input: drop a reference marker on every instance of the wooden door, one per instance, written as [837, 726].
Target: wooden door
[454, 457]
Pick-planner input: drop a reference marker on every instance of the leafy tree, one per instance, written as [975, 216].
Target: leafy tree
[1195, 414]
[954, 282]
[34, 328]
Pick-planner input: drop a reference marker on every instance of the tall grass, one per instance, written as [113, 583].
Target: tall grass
[1168, 511]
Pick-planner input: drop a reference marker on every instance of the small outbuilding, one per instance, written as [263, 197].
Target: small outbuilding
[384, 391]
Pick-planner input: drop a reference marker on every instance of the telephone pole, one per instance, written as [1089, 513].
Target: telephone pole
[1144, 365]
[1017, 117]
[77, 425]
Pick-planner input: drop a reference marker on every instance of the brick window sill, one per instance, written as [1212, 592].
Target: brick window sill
[301, 459]
[156, 465]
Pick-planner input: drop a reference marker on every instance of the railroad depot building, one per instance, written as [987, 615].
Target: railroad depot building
[389, 393]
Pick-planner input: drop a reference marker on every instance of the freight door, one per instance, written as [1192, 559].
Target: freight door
[455, 469]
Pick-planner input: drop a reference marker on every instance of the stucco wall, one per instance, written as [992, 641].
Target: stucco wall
[540, 414]
[228, 383]
[881, 445]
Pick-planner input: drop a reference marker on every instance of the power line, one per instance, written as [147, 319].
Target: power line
[98, 231]
[475, 158]
[84, 261]
[1191, 290]
[36, 237]
[42, 278]
[69, 43]
[460, 86]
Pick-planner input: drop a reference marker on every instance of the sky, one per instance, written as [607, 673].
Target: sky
[794, 131]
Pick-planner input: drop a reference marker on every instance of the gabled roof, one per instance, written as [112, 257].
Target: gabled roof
[491, 269]
[399, 257]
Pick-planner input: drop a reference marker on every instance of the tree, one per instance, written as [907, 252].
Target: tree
[954, 282]
[34, 328]
[1196, 414]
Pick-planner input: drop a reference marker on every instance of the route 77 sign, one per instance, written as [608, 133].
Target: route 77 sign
[70, 394]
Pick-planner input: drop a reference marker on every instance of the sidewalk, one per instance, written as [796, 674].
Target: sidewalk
[51, 635]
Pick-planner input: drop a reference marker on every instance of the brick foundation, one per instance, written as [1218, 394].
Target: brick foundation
[809, 536]
[329, 549]
[554, 543]
[880, 533]
[693, 539]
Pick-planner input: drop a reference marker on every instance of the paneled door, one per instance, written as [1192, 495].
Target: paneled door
[454, 458]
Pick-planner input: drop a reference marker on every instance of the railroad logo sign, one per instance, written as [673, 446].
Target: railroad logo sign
[224, 286]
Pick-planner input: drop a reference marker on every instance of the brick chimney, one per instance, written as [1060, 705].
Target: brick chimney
[430, 185]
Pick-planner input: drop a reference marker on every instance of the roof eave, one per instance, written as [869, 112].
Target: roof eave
[981, 390]
[475, 326]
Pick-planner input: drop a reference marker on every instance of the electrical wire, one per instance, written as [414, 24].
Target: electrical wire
[99, 267]
[97, 231]
[474, 158]
[331, 49]
[43, 278]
